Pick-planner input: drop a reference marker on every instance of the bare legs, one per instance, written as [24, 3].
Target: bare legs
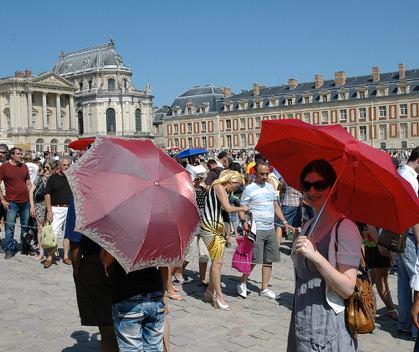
[379, 278]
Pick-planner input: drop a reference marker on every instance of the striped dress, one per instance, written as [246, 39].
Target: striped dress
[212, 225]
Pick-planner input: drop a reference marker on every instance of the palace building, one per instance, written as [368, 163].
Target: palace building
[381, 109]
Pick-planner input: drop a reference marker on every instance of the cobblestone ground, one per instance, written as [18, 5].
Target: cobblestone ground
[39, 313]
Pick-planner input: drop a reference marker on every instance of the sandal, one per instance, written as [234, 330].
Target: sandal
[175, 297]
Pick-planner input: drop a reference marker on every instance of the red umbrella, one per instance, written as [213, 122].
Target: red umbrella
[369, 188]
[134, 201]
[81, 144]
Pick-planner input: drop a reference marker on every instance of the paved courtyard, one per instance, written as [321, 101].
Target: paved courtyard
[39, 314]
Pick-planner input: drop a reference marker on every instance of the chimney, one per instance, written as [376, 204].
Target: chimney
[318, 81]
[28, 73]
[292, 83]
[227, 92]
[375, 74]
[340, 78]
[402, 71]
[19, 74]
[256, 89]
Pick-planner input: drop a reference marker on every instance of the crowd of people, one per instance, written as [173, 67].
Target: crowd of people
[238, 194]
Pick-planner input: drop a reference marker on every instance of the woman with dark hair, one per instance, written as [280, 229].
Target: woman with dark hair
[326, 257]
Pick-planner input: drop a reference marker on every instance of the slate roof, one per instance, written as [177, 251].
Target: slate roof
[197, 95]
[83, 60]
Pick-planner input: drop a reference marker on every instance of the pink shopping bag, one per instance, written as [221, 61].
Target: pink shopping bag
[242, 258]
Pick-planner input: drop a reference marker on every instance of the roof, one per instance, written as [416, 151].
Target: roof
[207, 94]
[97, 57]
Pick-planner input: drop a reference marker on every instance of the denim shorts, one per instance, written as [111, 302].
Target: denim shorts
[139, 323]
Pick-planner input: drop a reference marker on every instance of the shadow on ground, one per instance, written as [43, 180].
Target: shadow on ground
[84, 342]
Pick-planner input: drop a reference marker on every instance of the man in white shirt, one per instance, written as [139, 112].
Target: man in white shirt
[261, 198]
[406, 270]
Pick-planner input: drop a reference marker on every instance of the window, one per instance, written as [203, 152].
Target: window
[257, 122]
[125, 84]
[382, 111]
[325, 117]
[176, 127]
[204, 142]
[227, 107]
[403, 109]
[39, 146]
[54, 146]
[306, 100]
[243, 123]
[228, 125]
[189, 110]
[361, 94]
[381, 92]
[66, 143]
[401, 90]
[111, 84]
[90, 84]
[342, 96]
[306, 117]
[110, 121]
[243, 140]
[189, 142]
[290, 116]
[289, 101]
[80, 122]
[189, 127]
[324, 98]
[362, 113]
[229, 145]
[137, 120]
[176, 142]
[343, 114]
[403, 131]
[382, 132]
[80, 88]
[363, 133]
[383, 145]
[204, 126]
[404, 144]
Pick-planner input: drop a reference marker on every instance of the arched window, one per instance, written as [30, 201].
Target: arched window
[81, 85]
[66, 143]
[54, 146]
[90, 84]
[39, 145]
[80, 121]
[138, 120]
[111, 84]
[110, 121]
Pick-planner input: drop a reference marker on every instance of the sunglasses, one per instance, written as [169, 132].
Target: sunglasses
[321, 185]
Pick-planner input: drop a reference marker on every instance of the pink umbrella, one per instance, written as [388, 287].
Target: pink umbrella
[134, 201]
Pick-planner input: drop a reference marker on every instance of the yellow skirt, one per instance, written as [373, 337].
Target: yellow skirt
[215, 243]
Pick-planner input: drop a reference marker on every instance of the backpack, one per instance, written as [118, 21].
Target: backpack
[39, 192]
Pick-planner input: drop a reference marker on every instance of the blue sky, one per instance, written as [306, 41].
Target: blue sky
[174, 45]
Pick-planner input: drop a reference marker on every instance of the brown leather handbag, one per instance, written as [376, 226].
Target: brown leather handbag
[393, 241]
[361, 307]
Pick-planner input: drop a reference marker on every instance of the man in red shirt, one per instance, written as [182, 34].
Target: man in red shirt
[15, 175]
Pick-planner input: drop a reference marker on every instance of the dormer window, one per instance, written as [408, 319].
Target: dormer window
[362, 93]
[242, 105]
[273, 102]
[324, 97]
[176, 111]
[403, 88]
[343, 94]
[204, 108]
[382, 91]
[258, 104]
[307, 99]
[290, 100]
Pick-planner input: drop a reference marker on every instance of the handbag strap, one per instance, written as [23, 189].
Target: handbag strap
[362, 262]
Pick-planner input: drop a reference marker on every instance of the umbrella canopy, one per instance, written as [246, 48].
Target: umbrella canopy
[134, 201]
[81, 144]
[191, 152]
[369, 189]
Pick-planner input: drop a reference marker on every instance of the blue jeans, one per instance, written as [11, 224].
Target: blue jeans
[405, 271]
[23, 210]
[139, 323]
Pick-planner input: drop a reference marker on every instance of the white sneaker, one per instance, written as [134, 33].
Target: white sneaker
[269, 293]
[242, 290]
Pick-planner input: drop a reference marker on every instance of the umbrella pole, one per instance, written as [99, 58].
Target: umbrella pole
[316, 220]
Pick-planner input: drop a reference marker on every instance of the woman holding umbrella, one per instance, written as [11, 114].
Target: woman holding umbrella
[326, 257]
[212, 226]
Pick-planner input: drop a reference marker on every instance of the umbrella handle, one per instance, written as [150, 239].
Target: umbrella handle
[316, 220]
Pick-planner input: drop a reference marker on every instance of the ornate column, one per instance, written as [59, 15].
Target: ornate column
[72, 122]
[58, 115]
[44, 110]
[29, 94]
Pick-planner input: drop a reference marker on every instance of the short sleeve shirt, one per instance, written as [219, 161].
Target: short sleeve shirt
[260, 198]
[15, 177]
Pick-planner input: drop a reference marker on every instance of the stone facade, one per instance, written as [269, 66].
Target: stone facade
[381, 109]
[106, 101]
[37, 113]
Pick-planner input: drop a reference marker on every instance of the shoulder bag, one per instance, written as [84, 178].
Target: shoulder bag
[48, 238]
[360, 308]
[392, 241]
